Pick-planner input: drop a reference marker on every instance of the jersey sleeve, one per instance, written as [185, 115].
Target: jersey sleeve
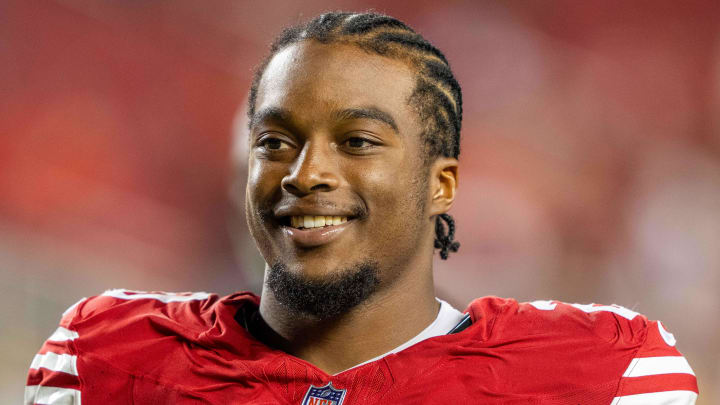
[53, 377]
[658, 373]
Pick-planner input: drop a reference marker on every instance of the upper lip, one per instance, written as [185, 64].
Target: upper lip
[296, 210]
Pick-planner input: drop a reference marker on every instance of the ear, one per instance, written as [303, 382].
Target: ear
[443, 184]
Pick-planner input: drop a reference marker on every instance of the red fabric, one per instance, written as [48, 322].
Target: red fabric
[655, 345]
[659, 383]
[62, 347]
[43, 376]
[146, 351]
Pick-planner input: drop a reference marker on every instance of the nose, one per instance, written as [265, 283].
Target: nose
[314, 170]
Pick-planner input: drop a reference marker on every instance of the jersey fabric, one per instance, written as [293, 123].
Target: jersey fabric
[127, 347]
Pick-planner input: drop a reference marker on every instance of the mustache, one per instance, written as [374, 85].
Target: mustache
[266, 211]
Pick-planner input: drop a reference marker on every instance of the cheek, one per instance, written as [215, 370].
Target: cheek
[394, 195]
[396, 228]
[263, 181]
[263, 187]
[255, 174]
[252, 196]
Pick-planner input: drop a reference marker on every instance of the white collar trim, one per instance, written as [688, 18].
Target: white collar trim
[447, 318]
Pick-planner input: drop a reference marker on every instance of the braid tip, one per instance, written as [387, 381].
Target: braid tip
[444, 241]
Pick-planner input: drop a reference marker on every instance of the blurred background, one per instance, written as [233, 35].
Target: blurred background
[590, 164]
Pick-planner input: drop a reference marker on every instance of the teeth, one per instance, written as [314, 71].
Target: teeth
[316, 221]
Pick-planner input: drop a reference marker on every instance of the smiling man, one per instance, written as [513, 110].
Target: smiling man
[343, 195]
[354, 141]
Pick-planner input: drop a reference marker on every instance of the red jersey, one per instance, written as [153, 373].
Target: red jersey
[127, 347]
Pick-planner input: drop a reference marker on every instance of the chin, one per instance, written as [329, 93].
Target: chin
[316, 269]
[326, 296]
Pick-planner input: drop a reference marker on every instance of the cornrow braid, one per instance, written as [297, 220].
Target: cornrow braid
[362, 23]
[437, 97]
[444, 241]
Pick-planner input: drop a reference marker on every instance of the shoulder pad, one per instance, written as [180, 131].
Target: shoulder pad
[507, 317]
[609, 322]
[123, 303]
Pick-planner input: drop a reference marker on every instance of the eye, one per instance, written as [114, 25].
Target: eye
[358, 143]
[271, 143]
[275, 144]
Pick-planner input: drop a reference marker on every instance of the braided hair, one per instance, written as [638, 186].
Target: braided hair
[437, 97]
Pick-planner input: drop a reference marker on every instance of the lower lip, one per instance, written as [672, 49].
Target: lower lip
[313, 237]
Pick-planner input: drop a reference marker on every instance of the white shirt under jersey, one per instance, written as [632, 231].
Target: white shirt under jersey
[447, 318]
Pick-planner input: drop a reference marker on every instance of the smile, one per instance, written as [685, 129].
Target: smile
[316, 221]
[307, 231]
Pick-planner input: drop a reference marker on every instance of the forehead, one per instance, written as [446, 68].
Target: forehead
[310, 78]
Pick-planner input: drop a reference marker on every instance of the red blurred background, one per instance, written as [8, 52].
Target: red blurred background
[590, 165]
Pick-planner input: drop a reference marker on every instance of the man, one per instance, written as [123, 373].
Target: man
[354, 140]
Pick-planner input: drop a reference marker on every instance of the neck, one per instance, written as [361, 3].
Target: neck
[391, 316]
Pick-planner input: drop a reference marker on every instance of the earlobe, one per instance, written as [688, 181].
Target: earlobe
[444, 181]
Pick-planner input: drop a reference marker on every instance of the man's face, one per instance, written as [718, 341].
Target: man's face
[333, 138]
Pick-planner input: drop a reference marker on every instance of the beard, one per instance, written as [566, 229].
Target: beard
[327, 297]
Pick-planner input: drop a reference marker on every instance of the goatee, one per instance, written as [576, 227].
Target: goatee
[327, 297]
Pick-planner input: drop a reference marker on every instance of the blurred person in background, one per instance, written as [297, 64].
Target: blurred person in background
[354, 139]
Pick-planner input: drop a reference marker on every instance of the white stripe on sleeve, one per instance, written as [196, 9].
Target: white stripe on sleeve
[71, 307]
[61, 334]
[36, 394]
[657, 398]
[668, 337]
[544, 305]
[56, 362]
[616, 309]
[164, 297]
[658, 365]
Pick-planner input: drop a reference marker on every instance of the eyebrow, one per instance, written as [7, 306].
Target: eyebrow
[270, 114]
[366, 113]
[282, 115]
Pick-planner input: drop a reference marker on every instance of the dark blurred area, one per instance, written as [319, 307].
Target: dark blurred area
[590, 163]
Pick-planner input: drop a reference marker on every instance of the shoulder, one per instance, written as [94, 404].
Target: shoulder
[612, 323]
[106, 339]
[129, 315]
[126, 305]
[639, 354]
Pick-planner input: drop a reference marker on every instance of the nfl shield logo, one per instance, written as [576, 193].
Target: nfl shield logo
[325, 395]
